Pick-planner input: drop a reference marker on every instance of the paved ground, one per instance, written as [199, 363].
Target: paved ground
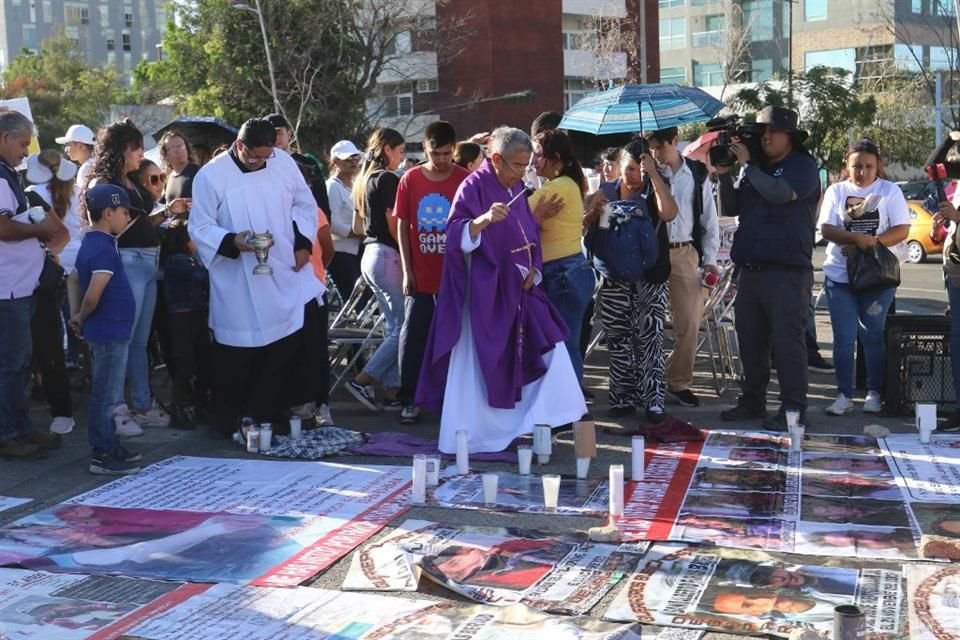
[63, 473]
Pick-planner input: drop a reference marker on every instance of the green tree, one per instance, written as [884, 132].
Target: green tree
[901, 127]
[63, 89]
[831, 110]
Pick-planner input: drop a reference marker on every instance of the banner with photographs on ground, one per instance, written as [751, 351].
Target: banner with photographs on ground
[7, 502]
[522, 494]
[755, 592]
[934, 595]
[837, 497]
[47, 606]
[213, 520]
[565, 574]
[929, 476]
[225, 612]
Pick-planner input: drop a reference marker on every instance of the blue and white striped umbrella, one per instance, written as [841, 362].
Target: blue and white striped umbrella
[640, 107]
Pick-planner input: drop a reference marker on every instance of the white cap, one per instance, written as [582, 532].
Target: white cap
[77, 133]
[344, 149]
[39, 174]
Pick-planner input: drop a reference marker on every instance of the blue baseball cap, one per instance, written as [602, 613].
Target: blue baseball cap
[105, 196]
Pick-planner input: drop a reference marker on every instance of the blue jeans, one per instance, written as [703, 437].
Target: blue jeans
[141, 267]
[382, 271]
[953, 295]
[15, 357]
[569, 283]
[863, 312]
[106, 386]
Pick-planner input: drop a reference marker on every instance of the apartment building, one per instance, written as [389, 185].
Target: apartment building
[491, 62]
[119, 33]
[708, 43]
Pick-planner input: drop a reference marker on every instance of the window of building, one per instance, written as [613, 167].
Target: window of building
[161, 16]
[761, 70]
[670, 4]
[942, 58]
[76, 15]
[917, 6]
[33, 10]
[125, 41]
[574, 89]
[47, 11]
[428, 86]
[104, 16]
[707, 75]
[833, 58]
[111, 44]
[700, 3]
[758, 19]
[673, 33]
[128, 19]
[398, 99]
[30, 37]
[676, 75]
[908, 56]
[945, 8]
[400, 45]
[814, 10]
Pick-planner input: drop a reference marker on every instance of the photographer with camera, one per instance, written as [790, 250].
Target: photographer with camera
[776, 200]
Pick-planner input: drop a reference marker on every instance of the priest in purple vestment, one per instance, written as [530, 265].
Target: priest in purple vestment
[496, 364]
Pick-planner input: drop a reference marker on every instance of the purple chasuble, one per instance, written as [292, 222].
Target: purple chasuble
[512, 328]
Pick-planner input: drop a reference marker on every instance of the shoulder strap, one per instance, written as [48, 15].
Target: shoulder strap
[34, 199]
[699, 171]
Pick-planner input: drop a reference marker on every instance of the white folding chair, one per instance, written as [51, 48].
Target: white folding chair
[355, 331]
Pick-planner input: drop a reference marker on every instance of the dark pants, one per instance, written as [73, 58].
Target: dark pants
[344, 270]
[417, 316]
[772, 311]
[314, 360]
[47, 330]
[261, 382]
[15, 358]
[189, 356]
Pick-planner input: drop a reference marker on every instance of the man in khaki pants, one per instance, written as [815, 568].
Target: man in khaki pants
[694, 241]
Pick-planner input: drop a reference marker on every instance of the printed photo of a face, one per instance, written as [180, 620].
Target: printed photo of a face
[874, 466]
[742, 480]
[752, 504]
[830, 484]
[887, 513]
[857, 445]
[855, 541]
[780, 575]
[937, 519]
[855, 208]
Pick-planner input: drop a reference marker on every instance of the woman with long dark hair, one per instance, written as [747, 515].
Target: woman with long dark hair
[118, 153]
[52, 187]
[374, 192]
[568, 278]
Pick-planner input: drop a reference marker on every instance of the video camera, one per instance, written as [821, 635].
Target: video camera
[732, 130]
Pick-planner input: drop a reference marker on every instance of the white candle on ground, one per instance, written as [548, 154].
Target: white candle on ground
[616, 489]
[638, 447]
[419, 493]
[524, 458]
[463, 453]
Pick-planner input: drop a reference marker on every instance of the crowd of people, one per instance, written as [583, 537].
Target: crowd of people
[488, 261]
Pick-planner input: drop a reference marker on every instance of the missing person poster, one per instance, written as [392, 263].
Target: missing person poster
[934, 595]
[753, 592]
[564, 574]
[522, 494]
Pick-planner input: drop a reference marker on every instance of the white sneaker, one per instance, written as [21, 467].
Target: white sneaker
[324, 418]
[62, 425]
[124, 424]
[364, 393]
[873, 403]
[155, 416]
[842, 405]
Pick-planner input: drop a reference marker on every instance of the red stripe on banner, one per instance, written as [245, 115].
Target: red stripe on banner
[152, 610]
[651, 507]
[336, 544]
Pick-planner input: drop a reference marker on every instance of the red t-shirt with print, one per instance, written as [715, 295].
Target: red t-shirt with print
[425, 205]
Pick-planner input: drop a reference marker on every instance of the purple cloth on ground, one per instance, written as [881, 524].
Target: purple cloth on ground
[513, 328]
[404, 445]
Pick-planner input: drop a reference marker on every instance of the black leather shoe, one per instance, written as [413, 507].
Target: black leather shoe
[655, 416]
[621, 412]
[743, 412]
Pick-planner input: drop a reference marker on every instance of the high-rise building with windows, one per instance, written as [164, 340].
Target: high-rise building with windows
[709, 43]
[117, 33]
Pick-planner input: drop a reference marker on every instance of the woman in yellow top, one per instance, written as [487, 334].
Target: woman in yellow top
[568, 278]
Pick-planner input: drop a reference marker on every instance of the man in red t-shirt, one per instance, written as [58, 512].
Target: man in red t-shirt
[422, 206]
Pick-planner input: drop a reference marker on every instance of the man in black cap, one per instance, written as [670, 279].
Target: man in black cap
[308, 166]
[776, 200]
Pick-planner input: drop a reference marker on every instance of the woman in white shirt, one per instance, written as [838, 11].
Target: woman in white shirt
[345, 268]
[857, 213]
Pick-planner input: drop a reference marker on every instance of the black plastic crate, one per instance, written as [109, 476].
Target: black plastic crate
[918, 362]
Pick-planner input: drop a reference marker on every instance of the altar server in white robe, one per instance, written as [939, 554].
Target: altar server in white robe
[261, 323]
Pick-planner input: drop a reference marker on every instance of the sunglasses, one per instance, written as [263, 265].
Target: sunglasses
[157, 178]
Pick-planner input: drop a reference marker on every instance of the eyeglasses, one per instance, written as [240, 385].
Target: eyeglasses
[157, 178]
[252, 158]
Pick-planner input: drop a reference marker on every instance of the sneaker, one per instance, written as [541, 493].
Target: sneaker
[656, 415]
[621, 411]
[392, 405]
[815, 362]
[952, 425]
[42, 440]
[743, 412]
[104, 464]
[155, 416]
[124, 424]
[873, 403]
[323, 416]
[409, 414]
[62, 425]
[364, 394]
[841, 406]
[16, 448]
[685, 398]
[125, 455]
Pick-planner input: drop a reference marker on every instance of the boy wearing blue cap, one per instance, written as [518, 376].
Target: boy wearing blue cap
[105, 319]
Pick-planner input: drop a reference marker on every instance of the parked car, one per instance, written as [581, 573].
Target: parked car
[919, 243]
[922, 189]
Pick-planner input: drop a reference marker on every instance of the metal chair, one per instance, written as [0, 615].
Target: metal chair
[355, 330]
[718, 333]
